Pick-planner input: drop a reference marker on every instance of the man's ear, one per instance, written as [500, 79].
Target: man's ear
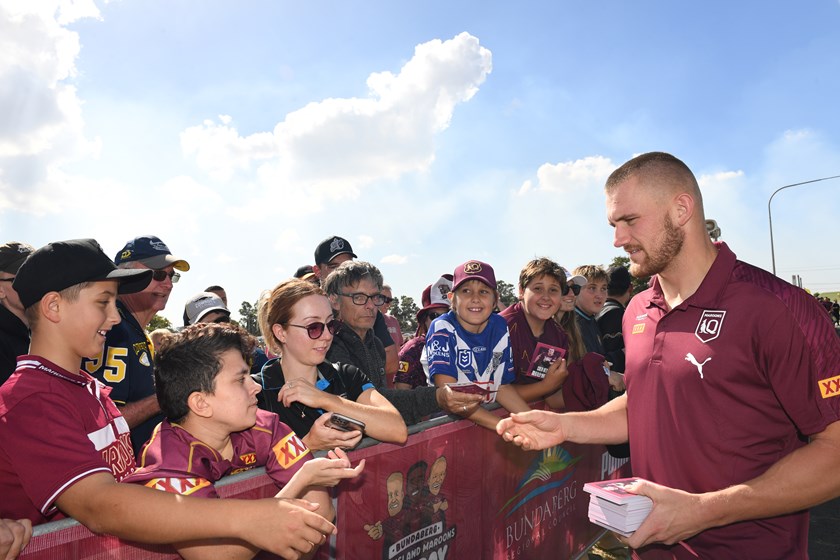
[199, 405]
[683, 208]
[521, 293]
[334, 302]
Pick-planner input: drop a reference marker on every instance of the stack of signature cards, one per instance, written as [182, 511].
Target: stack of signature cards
[613, 508]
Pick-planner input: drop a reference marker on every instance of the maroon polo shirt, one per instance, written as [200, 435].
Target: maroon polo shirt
[721, 387]
[523, 342]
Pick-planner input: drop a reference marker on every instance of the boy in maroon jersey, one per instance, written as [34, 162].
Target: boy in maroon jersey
[64, 445]
[213, 428]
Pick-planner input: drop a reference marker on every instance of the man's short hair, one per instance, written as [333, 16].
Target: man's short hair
[592, 273]
[350, 273]
[619, 280]
[190, 360]
[541, 267]
[663, 168]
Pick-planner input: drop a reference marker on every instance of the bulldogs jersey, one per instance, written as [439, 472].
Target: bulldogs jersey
[478, 357]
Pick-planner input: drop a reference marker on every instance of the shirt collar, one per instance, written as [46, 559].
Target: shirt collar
[710, 291]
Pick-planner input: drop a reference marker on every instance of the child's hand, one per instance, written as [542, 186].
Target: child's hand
[557, 373]
[329, 471]
[321, 436]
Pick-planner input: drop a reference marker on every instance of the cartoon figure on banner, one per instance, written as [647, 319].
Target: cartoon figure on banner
[393, 526]
[415, 510]
[436, 502]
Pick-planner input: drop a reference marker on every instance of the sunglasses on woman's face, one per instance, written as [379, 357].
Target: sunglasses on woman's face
[566, 287]
[432, 315]
[315, 330]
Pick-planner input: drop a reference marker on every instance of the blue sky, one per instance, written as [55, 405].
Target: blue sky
[243, 133]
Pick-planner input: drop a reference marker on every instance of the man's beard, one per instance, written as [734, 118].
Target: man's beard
[658, 258]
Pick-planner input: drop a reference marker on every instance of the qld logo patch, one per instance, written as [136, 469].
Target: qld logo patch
[830, 387]
[709, 326]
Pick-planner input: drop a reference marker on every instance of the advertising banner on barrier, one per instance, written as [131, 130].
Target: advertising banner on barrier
[452, 491]
[459, 491]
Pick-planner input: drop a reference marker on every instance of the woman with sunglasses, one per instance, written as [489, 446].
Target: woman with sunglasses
[410, 373]
[538, 344]
[301, 387]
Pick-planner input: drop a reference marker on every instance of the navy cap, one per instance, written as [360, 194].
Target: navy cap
[150, 251]
[62, 264]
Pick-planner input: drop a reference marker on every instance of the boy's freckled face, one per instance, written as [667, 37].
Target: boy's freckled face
[234, 398]
[473, 303]
[88, 319]
[592, 297]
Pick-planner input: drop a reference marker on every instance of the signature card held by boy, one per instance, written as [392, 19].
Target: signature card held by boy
[544, 356]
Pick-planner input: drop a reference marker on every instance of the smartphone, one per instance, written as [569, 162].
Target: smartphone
[345, 423]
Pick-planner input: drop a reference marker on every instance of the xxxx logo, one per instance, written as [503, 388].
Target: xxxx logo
[289, 450]
[248, 458]
[182, 486]
[472, 267]
[830, 387]
[638, 328]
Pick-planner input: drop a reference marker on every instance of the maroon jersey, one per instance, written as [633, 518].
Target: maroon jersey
[174, 461]
[722, 387]
[56, 428]
[523, 341]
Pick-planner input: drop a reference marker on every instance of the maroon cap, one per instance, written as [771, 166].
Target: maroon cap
[474, 270]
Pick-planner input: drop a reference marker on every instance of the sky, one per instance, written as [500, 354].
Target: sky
[427, 134]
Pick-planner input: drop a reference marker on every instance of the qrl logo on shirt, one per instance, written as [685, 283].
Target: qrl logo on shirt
[709, 326]
[830, 387]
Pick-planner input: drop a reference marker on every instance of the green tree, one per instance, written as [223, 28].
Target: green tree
[159, 322]
[405, 311]
[639, 284]
[248, 317]
[507, 294]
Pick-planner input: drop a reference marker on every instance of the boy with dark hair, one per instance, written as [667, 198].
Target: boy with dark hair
[214, 428]
[64, 444]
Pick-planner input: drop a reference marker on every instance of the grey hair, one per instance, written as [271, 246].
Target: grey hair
[350, 273]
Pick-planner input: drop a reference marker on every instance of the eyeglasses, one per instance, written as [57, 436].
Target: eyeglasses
[362, 299]
[222, 319]
[566, 287]
[432, 315]
[160, 276]
[388, 300]
[315, 330]
[8, 279]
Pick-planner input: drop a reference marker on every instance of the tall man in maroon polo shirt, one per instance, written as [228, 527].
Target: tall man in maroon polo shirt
[733, 384]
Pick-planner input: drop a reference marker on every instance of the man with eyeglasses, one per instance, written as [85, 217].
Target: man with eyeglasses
[354, 289]
[127, 361]
[329, 255]
[14, 328]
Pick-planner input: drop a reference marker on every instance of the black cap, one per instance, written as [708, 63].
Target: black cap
[12, 255]
[619, 280]
[62, 264]
[304, 271]
[331, 247]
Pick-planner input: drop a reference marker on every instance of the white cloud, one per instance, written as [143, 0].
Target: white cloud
[394, 259]
[571, 176]
[333, 147]
[365, 242]
[40, 115]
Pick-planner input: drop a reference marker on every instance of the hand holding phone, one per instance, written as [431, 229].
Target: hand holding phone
[345, 423]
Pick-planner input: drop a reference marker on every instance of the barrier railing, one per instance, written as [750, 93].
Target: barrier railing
[454, 490]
